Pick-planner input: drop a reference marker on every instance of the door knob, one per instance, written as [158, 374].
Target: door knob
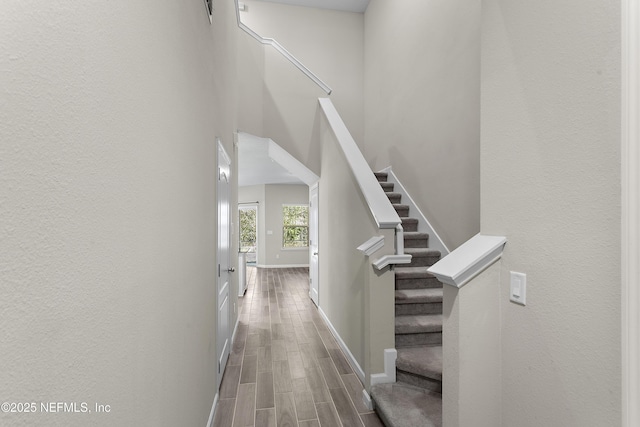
[315, 253]
[231, 270]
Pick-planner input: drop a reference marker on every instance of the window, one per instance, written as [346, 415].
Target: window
[249, 232]
[295, 226]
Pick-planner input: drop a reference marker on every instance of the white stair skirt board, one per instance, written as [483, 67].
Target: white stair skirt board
[389, 375]
[424, 225]
[469, 260]
[352, 360]
[283, 266]
[212, 414]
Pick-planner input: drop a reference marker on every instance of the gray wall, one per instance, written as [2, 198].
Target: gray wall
[422, 106]
[108, 206]
[271, 198]
[551, 184]
[330, 43]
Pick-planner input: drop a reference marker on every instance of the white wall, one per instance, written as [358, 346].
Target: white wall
[330, 43]
[551, 184]
[271, 197]
[108, 209]
[422, 116]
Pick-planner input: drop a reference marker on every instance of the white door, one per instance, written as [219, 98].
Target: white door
[313, 243]
[224, 264]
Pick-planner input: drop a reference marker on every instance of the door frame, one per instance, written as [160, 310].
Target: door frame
[630, 153]
[314, 235]
[223, 267]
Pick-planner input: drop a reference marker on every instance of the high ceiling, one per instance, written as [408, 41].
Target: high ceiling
[346, 5]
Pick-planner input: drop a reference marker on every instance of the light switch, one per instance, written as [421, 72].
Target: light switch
[518, 288]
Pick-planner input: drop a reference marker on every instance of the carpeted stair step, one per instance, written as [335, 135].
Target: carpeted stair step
[381, 176]
[421, 367]
[422, 257]
[409, 224]
[402, 405]
[415, 278]
[403, 210]
[414, 239]
[418, 301]
[413, 330]
[387, 186]
[394, 197]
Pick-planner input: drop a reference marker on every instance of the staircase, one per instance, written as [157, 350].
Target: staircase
[416, 398]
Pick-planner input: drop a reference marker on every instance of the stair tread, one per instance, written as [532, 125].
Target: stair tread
[418, 296]
[403, 405]
[424, 360]
[422, 251]
[417, 324]
[412, 272]
[415, 235]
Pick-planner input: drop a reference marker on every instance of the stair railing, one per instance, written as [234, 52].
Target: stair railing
[379, 205]
[277, 46]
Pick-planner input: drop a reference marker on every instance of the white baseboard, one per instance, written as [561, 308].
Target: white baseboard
[389, 375]
[283, 266]
[352, 360]
[368, 401]
[213, 411]
[235, 328]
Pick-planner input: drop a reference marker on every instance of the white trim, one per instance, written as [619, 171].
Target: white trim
[212, 414]
[468, 260]
[424, 226]
[630, 152]
[352, 360]
[290, 163]
[389, 375]
[387, 260]
[372, 245]
[381, 209]
[368, 401]
[283, 266]
[277, 46]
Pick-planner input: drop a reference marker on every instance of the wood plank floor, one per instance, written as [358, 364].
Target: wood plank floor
[285, 367]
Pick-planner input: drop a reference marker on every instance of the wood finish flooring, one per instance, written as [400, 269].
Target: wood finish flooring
[285, 367]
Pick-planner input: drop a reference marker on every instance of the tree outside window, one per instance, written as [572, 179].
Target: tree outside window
[295, 226]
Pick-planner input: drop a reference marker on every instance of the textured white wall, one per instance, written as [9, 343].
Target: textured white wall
[551, 184]
[107, 203]
[422, 116]
[329, 43]
[271, 198]
[275, 197]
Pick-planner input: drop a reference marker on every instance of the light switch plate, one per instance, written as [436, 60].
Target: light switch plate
[518, 288]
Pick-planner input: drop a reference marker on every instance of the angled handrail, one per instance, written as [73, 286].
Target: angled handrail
[379, 205]
[277, 46]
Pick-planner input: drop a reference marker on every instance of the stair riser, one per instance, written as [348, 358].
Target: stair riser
[403, 211]
[412, 340]
[419, 381]
[387, 187]
[409, 226]
[394, 198]
[382, 177]
[423, 261]
[418, 309]
[403, 284]
[416, 243]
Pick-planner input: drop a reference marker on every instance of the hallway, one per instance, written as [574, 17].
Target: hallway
[285, 367]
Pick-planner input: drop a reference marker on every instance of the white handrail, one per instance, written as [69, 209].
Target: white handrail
[380, 207]
[277, 46]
